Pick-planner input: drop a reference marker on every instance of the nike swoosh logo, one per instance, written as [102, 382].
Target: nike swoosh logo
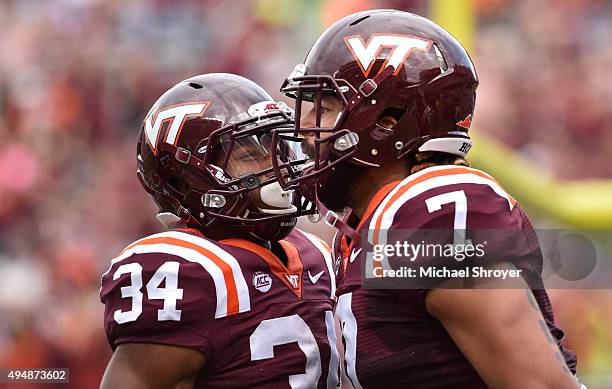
[316, 277]
[354, 255]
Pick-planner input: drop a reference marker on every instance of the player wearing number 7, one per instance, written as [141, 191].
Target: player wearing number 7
[391, 97]
[231, 295]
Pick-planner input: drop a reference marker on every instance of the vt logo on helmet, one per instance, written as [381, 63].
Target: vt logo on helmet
[175, 118]
[400, 48]
[205, 156]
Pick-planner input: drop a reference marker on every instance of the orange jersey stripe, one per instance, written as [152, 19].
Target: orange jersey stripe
[228, 274]
[425, 177]
[437, 173]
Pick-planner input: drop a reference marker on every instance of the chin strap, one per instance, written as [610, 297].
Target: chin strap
[340, 223]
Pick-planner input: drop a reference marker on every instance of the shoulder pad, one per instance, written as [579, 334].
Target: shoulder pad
[413, 204]
[195, 254]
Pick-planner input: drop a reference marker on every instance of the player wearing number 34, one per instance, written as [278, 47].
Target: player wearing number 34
[231, 295]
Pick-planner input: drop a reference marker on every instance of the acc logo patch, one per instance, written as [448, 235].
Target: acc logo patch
[401, 46]
[262, 281]
[175, 116]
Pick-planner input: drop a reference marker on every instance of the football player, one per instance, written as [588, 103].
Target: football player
[386, 99]
[231, 295]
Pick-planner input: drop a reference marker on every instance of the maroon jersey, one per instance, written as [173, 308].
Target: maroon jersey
[258, 322]
[390, 339]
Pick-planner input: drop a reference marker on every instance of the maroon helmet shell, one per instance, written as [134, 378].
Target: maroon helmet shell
[188, 142]
[387, 62]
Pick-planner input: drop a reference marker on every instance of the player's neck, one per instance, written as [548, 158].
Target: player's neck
[353, 186]
[367, 184]
[278, 250]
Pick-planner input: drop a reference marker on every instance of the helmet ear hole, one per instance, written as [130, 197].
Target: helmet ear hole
[386, 122]
[391, 112]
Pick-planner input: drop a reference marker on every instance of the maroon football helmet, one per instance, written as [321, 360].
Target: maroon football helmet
[204, 155]
[381, 63]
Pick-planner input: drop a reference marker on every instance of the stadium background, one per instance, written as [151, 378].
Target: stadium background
[77, 77]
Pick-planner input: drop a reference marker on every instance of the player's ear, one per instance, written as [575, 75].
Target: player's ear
[390, 116]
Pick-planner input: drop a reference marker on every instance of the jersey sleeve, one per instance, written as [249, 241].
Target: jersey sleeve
[462, 227]
[161, 298]
[477, 209]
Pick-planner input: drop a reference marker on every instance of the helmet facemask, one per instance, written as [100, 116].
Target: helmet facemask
[229, 180]
[325, 147]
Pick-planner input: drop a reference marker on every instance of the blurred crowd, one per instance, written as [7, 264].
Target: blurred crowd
[545, 88]
[78, 76]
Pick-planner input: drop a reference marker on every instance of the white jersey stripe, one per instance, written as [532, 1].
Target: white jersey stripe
[328, 260]
[244, 301]
[417, 189]
[379, 236]
[390, 195]
[192, 256]
[334, 359]
[397, 188]
[436, 182]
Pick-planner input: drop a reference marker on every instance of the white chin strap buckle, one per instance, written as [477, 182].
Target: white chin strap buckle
[275, 196]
